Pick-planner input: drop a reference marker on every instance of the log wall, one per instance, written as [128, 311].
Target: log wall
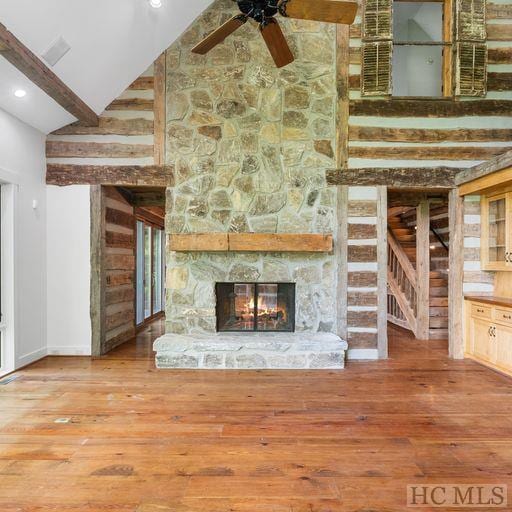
[476, 281]
[119, 270]
[362, 273]
[125, 135]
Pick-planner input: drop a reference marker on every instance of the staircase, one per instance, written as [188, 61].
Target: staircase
[402, 307]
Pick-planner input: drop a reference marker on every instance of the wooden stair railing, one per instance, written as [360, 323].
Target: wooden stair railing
[402, 285]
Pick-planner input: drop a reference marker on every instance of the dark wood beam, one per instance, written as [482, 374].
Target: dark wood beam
[479, 171]
[402, 177]
[121, 175]
[148, 198]
[13, 50]
[430, 108]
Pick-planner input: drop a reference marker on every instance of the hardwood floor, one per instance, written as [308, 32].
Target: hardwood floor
[145, 440]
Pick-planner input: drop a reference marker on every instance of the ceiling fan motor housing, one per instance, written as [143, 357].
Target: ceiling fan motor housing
[258, 10]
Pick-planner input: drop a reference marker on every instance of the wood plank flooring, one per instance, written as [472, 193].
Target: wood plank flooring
[115, 434]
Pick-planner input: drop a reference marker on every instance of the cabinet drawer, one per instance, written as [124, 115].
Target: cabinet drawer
[503, 315]
[480, 311]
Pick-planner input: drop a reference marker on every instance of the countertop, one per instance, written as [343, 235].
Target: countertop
[490, 299]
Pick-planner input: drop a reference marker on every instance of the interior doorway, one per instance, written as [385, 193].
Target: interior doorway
[418, 263]
[127, 262]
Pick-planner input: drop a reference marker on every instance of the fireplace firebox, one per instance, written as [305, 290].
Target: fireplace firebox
[255, 307]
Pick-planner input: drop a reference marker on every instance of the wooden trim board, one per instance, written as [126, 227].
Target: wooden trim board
[251, 242]
[499, 178]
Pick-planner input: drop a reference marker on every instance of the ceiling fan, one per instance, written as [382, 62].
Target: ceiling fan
[263, 12]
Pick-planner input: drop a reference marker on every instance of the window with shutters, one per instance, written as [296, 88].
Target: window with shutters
[423, 49]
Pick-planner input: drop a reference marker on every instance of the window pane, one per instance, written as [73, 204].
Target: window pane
[417, 71]
[147, 271]
[140, 272]
[418, 21]
[275, 307]
[235, 306]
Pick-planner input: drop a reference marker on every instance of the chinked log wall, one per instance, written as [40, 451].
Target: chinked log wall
[126, 147]
[362, 290]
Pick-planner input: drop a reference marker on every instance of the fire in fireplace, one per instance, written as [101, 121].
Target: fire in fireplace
[255, 307]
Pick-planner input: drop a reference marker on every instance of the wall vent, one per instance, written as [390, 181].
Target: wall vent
[56, 51]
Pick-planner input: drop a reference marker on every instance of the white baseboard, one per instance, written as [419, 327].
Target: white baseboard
[362, 353]
[30, 357]
[69, 351]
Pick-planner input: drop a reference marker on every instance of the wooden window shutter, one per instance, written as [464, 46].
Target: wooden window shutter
[471, 20]
[471, 79]
[471, 49]
[376, 47]
[376, 68]
[377, 20]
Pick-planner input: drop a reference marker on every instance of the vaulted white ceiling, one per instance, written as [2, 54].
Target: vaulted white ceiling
[112, 43]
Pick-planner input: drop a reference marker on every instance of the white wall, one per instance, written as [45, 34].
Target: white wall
[69, 270]
[22, 164]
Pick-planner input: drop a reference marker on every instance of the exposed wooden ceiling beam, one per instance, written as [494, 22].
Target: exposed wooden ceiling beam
[13, 50]
[399, 177]
[116, 175]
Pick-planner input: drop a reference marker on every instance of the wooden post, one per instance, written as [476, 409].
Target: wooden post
[159, 110]
[98, 281]
[423, 269]
[382, 271]
[342, 87]
[455, 275]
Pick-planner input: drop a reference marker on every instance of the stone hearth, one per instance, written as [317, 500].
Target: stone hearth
[251, 351]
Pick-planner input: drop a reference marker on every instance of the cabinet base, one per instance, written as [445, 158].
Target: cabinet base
[488, 364]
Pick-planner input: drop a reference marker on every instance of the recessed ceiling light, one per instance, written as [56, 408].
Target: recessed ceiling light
[155, 3]
[20, 93]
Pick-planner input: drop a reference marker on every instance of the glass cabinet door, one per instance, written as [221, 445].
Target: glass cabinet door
[496, 241]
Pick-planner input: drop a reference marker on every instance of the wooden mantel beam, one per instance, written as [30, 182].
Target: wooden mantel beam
[399, 177]
[117, 175]
[13, 50]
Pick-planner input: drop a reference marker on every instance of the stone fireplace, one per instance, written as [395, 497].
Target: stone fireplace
[250, 145]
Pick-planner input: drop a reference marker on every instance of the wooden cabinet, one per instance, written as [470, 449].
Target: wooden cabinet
[503, 345]
[489, 335]
[482, 339]
[496, 240]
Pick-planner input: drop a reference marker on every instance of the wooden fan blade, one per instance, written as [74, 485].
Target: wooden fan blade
[330, 11]
[218, 35]
[276, 43]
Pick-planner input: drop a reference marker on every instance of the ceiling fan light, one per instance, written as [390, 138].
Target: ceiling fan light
[156, 4]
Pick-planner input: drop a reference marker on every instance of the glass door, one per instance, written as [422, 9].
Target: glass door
[150, 271]
[495, 240]
[148, 311]
[157, 280]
